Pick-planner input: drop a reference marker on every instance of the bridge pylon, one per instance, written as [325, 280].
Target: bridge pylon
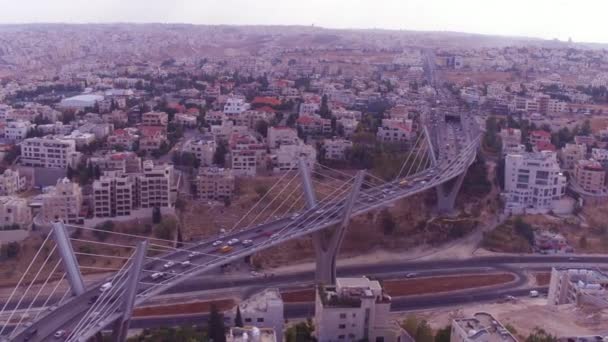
[327, 242]
[121, 326]
[447, 193]
[68, 258]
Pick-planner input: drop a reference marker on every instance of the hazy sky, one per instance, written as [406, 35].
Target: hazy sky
[583, 20]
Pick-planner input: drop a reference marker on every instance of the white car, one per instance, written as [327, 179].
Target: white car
[169, 264]
[320, 211]
[59, 334]
[186, 263]
[247, 242]
[105, 287]
[192, 255]
[156, 275]
[232, 242]
[274, 236]
[295, 216]
[217, 243]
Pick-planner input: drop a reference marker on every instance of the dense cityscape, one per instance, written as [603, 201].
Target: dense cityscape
[165, 182]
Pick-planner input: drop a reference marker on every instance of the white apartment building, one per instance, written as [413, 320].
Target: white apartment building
[533, 181]
[335, 149]
[395, 131]
[11, 182]
[511, 141]
[354, 309]
[224, 131]
[482, 327]
[244, 163]
[14, 211]
[17, 130]
[590, 176]
[62, 201]
[278, 136]
[126, 162]
[215, 183]
[113, 195]
[202, 149]
[155, 185]
[308, 108]
[155, 119]
[263, 310]
[49, 152]
[235, 106]
[599, 154]
[185, 120]
[286, 157]
[578, 286]
[571, 154]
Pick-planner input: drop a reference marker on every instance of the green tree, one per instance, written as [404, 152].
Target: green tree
[410, 325]
[324, 108]
[540, 335]
[156, 217]
[524, 229]
[423, 332]
[11, 250]
[301, 332]
[216, 328]
[582, 242]
[103, 230]
[261, 126]
[238, 319]
[443, 335]
[219, 157]
[166, 229]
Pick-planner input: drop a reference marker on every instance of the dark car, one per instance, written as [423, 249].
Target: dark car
[93, 299]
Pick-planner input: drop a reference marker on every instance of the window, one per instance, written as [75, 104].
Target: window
[342, 315]
[380, 339]
[341, 337]
[247, 320]
[342, 326]
[260, 319]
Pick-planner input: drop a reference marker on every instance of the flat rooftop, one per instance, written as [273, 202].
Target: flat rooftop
[484, 327]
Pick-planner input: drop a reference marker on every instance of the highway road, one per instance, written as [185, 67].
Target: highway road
[173, 268]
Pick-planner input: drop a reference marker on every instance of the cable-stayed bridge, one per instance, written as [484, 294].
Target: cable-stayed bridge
[308, 200]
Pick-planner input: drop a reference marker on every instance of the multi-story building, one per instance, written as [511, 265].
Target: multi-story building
[123, 138]
[314, 125]
[244, 163]
[571, 154]
[262, 310]
[600, 154]
[308, 108]
[215, 183]
[511, 141]
[17, 130]
[125, 162]
[395, 131]
[578, 286]
[278, 136]
[224, 131]
[482, 327]
[14, 211]
[155, 119]
[539, 137]
[336, 149]
[355, 309]
[11, 183]
[113, 195]
[185, 120]
[152, 137]
[533, 181]
[235, 106]
[62, 201]
[202, 149]
[286, 157]
[50, 152]
[155, 185]
[591, 176]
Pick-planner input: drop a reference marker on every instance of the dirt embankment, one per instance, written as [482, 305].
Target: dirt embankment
[419, 286]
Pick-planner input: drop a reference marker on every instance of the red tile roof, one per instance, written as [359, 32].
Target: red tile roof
[267, 100]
